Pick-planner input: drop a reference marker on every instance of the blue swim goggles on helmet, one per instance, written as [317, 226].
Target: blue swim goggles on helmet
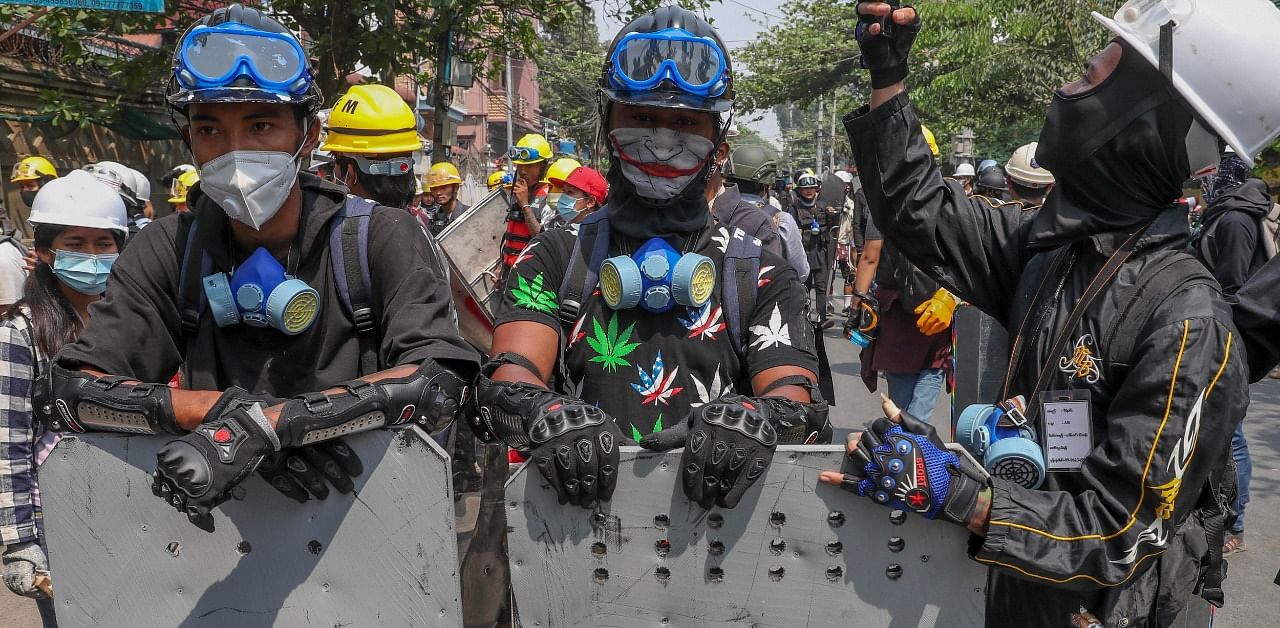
[526, 154]
[211, 57]
[260, 294]
[657, 277]
[695, 64]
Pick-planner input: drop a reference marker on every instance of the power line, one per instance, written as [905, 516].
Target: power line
[760, 11]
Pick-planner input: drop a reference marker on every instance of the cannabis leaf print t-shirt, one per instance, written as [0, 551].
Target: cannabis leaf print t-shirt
[649, 370]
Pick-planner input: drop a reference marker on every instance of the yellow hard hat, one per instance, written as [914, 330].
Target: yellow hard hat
[181, 184]
[442, 174]
[495, 178]
[928, 137]
[32, 168]
[372, 120]
[531, 149]
[560, 170]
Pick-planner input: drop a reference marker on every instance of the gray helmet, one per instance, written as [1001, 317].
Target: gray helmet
[751, 163]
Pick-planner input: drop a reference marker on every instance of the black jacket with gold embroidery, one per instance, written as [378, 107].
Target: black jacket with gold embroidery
[1122, 536]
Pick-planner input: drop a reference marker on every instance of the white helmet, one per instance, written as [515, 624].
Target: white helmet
[845, 176]
[965, 170]
[141, 185]
[1215, 48]
[118, 177]
[79, 200]
[1022, 167]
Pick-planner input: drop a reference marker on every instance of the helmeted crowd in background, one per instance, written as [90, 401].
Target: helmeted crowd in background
[678, 299]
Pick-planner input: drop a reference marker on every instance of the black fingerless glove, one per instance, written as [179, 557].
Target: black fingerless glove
[885, 55]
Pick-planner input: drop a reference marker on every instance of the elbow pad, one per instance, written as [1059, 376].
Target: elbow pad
[505, 411]
[430, 397]
[66, 399]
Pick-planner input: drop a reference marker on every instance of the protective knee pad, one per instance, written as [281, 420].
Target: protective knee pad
[66, 399]
[505, 410]
[430, 397]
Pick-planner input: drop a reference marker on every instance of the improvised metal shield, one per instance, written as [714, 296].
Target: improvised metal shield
[832, 193]
[473, 242]
[384, 555]
[794, 553]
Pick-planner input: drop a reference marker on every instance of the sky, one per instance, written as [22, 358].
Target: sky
[738, 22]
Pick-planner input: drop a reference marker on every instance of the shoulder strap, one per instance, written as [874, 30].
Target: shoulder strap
[349, 253]
[739, 281]
[582, 273]
[191, 273]
[1159, 280]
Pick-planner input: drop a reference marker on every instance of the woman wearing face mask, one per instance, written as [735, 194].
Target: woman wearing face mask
[80, 224]
[582, 192]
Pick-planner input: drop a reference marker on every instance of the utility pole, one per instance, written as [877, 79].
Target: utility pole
[817, 143]
[833, 133]
[511, 140]
[441, 97]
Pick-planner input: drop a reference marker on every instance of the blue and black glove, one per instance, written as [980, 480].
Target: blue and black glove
[884, 54]
[905, 465]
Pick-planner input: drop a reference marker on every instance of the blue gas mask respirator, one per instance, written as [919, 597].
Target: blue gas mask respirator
[259, 293]
[657, 277]
[1003, 439]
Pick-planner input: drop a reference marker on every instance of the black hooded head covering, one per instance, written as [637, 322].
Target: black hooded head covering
[1118, 153]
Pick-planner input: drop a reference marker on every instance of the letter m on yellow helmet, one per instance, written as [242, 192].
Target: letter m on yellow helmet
[372, 120]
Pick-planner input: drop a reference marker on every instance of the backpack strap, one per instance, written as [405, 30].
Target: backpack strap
[739, 280]
[583, 272]
[349, 254]
[191, 273]
[1157, 282]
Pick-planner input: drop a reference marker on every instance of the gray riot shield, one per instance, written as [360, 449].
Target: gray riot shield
[384, 555]
[794, 554]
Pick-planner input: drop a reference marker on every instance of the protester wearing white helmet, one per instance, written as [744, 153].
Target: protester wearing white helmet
[142, 188]
[1028, 182]
[1110, 320]
[79, 227]
[122, 179]
[964, 174]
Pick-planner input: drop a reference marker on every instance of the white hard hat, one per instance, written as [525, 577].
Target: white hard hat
[1215, 48]
[845, 176]
[79, 200]
[965, 170]
[1022, 167]
[142, 185]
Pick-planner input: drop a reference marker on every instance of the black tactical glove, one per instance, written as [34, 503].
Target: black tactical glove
[301, 472]
[884, 55]
[905, 465]
[575, 446]
[196, 472]
[728, 444]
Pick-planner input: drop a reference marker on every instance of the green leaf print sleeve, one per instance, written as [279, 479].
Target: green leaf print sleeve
[531, 295]
[532, 286]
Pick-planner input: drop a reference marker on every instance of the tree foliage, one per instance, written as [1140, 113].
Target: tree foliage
[396, 38]
[987, 64]
[569, 73]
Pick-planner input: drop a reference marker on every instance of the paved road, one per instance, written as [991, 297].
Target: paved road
[1253, 600]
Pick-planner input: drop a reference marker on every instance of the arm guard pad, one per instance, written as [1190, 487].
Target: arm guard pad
[506, 411]
[798, 423]
[431, 397]
[66, 399]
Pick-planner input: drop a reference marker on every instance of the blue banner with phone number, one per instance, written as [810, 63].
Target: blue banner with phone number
[137, 6]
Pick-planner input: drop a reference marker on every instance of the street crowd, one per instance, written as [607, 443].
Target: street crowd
[677, 298]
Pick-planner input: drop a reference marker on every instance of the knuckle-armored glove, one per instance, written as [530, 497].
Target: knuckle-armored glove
[574, 445]
[24, 564]
[728, 444]
[884, 55]
[906, 466]
[196, 472]
[305, 472]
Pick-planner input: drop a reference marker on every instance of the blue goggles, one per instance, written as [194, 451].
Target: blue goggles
[524, 153]
[211, 57]
[696, 65]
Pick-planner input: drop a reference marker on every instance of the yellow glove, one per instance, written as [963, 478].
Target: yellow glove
[935, 314]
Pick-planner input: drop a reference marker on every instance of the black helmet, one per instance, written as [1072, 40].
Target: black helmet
[269, 38]
[669, 57]
[991, 178]
[751, 163]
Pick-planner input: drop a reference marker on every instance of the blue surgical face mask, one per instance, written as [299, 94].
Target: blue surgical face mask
[567, 206]
[84, 272]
